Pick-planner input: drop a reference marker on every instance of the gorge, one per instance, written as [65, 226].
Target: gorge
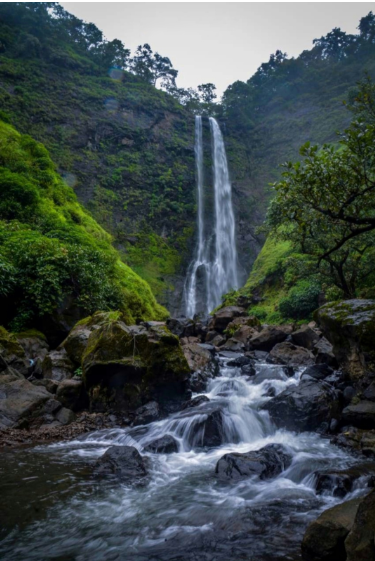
[186, 328]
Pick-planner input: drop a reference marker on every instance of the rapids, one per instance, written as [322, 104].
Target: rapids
[54, 509]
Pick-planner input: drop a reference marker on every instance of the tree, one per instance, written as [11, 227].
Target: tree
[153, 67]
[207, 92]
[326, 204]
[367, 27]
[334, 44]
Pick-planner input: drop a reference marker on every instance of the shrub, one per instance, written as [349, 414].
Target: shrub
[301, 301]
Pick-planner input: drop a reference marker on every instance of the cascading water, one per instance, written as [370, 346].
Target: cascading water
[216, 255]
[184, 512]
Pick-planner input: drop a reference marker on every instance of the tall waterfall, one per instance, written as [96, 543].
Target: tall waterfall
[215, 263]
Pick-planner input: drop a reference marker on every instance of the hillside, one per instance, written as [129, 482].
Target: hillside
[57, 264]
[127, 148]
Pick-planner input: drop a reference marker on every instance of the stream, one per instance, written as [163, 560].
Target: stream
[52, 508]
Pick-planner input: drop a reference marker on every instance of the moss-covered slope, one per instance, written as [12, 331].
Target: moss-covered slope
[53, 254]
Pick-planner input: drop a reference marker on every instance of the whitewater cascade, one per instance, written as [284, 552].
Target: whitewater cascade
[216, 255]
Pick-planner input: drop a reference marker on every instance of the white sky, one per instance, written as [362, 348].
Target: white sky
[219, 42]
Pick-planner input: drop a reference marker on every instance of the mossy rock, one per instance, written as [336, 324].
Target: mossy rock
[350, 327]
[123, 364]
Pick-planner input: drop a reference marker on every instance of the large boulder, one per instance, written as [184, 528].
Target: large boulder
[206, 425]
[304, 407]
[147, 414]
[265, 463]
[359, 544]
[267, 338]
[324, 539]
[318, 371]
[350, 327]
[222, 318]
[323, 352]
[126, 366]
[289, 354]
[124, 462]
[34, 343]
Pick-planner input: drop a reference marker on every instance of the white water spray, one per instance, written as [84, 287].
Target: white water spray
[216, 255]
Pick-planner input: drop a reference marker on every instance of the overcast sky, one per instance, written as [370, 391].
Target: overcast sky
[219, 42]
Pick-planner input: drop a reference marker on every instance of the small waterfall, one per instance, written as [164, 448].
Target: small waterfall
[216, 254]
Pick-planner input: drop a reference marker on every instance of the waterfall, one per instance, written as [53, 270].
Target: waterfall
[216, 255]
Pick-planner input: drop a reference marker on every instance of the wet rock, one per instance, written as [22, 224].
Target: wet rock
[57, 366]
[359, 544]
[269, 374]
[195, 402]
[164, 445]
[339, 483]
[147, 414]
[324, 539]
[223, 317]
[289, 354]
[71, 393]
[124, 462]
[197, 357]
[305, 337]
[267, 338]
[356, 439]
[350, 327]
[304, 407]
[248, 370]
[209, 348]
[64, 416]
[50, 385]
[260, 356]
[288, 371]
[266, 463]
[323, 351]
[218, 341]
[182, 327]
[318, 371]
[207, 430]
[361, 415]
[240, 361]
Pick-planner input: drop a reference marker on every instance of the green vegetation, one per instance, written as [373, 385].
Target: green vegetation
[51, 248]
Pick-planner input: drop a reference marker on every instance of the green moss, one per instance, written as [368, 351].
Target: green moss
[50, 247]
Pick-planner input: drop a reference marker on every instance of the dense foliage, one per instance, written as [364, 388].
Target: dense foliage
[51, 248]
[326, 205]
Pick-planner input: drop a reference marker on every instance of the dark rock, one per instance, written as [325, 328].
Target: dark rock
[318, 371]
[207, 347]
[359, 544]
[20, 401]
[198, 358]
[12, 353]
[240, 361]
[324, 538]
[369, 393]
[207, 430]
[218, 341]
[305, 337]
[164, 445]
[323, 352]
[339, 483]
[267, 462]
[304, 407]
[288, 371]
[211, 335]
[261, 356]
[248, 370]
[50, 385]
[229, 354]
[233, 345]
[147, 414]
[195, 402]
[34, 344]
[269, 374]
[361, 415]
[64, 416]
[123, 461]
[71, 393]
[291, 355]
[267, 338]
[223, 317]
